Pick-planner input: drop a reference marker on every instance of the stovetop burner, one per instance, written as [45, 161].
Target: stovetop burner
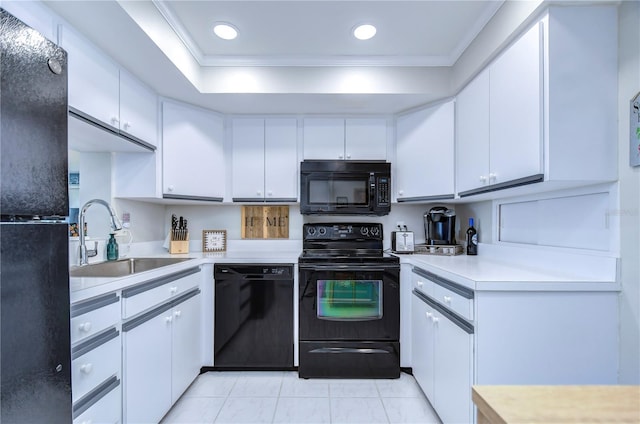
[343, 243]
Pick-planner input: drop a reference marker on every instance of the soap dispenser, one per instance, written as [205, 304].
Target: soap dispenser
[112, 248]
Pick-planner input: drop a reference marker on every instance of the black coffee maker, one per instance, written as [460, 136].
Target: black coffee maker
[440, 226]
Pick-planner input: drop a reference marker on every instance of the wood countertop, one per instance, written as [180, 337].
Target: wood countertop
[557, 404]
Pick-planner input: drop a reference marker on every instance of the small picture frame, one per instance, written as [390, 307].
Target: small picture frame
[214, 240]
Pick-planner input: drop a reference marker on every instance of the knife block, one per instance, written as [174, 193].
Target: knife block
[179, 246]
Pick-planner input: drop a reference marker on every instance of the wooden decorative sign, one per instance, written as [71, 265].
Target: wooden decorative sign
[265, 222]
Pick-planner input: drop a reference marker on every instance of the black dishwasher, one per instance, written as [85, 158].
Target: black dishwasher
[253, 320]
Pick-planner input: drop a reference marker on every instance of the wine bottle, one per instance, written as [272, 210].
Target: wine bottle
[472, 239]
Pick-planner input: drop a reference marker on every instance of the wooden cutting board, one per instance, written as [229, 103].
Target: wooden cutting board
[265, 222]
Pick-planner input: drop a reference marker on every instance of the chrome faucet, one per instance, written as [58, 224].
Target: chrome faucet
[85, 253]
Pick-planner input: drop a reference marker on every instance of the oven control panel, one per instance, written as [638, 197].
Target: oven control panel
[347, 231]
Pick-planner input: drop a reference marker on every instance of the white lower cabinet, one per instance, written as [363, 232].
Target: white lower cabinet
[96, 360]
[442, 354]
[161, 357]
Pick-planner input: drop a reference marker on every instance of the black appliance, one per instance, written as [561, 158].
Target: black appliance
[349, 310]
[440, 226]
[34, 247]
[341, 187]
[253, 327]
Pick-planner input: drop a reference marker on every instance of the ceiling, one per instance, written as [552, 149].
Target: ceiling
[290, 56]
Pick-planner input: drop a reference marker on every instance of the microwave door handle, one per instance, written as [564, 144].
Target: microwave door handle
[372, 192]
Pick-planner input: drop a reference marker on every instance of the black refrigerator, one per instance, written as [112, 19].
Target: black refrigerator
[35, 372]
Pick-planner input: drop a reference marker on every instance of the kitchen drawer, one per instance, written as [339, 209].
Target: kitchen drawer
[94, 361]
[94, 315]
[147, 295]
[458, 301]
[421, 281]
[102, 406]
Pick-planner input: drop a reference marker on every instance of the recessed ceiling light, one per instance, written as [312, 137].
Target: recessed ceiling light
[225, 30]
[364, 32]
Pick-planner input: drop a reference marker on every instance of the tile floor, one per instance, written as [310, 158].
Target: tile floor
[281, 397]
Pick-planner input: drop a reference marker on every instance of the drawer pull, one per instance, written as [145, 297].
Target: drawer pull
[177, 314]
[447, 299]
[168, 319]
[420, 283]
[174, 290]
[86, 368]
[435, 319]
[85, 326]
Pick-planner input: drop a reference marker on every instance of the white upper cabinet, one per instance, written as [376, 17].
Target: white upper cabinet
[498, 119]
[545, 109]
[100, 91]
[265, 160]
[424, 154]
[350, 139]
[193, 153]
[138, 109]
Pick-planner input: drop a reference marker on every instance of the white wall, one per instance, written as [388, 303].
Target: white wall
[629, 180]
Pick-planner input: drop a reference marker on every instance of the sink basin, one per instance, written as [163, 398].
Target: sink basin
[122, 267]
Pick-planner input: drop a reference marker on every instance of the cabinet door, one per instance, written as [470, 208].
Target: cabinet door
[281, 160]
[472, 134]
[425, 146]
[147, 370]
[138, 109]
[453, 350]
[422, 344]
[515, 104]
[366, 139]
[193, 153]
[323, 138]
[93, 79]
[248, 159]
[186, 345]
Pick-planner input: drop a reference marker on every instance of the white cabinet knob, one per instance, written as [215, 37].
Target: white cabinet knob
[493, 176]
[348, 156]
[168, 319]
[86, 368]
[114, 120]
[420, 283]
[341, 156]
[177, 314]
[173, 290]
[400, 192]
[483, 179]
[269, 193]
[429, 315]
[447, 299]
[127, 125]
[258, 193]
[435, 319]
[85, 326]
[170, 188]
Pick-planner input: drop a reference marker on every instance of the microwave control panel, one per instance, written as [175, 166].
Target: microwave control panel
[383, 192]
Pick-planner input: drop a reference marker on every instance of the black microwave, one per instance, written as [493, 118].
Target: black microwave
[345, 187]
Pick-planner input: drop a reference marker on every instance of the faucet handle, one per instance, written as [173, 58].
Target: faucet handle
[93, 252]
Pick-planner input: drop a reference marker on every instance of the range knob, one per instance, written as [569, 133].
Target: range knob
[311, 231]
[364, 231]
[322, 231]
[375, 231]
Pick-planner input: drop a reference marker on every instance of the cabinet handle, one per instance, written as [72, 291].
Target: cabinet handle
[86, 368]
[170, 188]
[348, 156]
[173, 290]
[447, 299]
[269, 193]
[493, 176]
[127, 125]
[258, 193]
[168, 319]
[435, 319]
[85, 326]
[177, 314]
[429, 315]
[420, 283]
[340, 156]
[400, 192]
[114, 120]
[483, 179]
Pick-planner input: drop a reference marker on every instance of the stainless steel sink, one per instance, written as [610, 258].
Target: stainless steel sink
[122, 267]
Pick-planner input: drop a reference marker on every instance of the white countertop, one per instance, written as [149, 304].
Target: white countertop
[494, 269]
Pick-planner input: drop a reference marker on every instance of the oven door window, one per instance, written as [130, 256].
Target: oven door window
[349, 300]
